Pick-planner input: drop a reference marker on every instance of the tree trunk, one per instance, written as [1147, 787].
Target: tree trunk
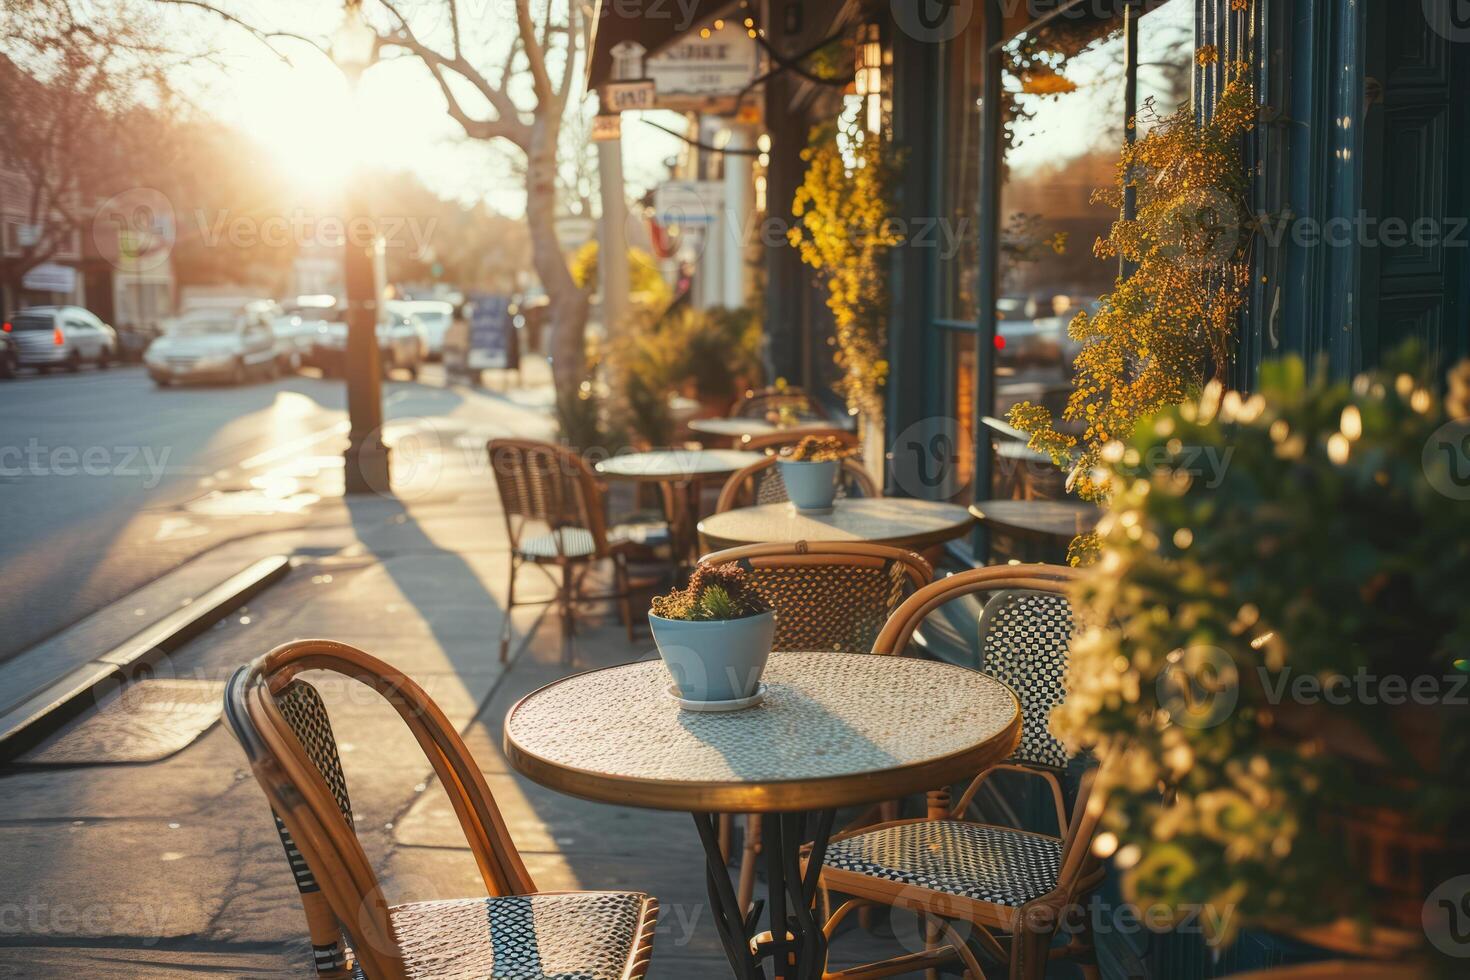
[567, 312]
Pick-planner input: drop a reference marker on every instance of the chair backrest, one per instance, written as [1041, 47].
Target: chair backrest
[283, 726]
[760, 402]
[761, 483]
[781, 438]
[541, 483]
[829, 596]
[1025, 629]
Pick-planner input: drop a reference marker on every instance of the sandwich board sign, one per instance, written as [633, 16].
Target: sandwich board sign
[492, 336]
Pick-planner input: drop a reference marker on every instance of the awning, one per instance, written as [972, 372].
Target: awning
[652, 23]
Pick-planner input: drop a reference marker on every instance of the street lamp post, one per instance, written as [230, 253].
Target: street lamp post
[366, 458]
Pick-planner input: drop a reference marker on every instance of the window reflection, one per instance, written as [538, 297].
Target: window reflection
[1063, 143]
[1065, 93]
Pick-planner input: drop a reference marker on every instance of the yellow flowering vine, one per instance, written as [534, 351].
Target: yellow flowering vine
[1169, 327]
[844, 230]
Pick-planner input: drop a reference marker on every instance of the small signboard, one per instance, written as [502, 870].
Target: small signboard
[714, 61]
[627, 96]
[492, 335]
[688, 202]
[605, 128]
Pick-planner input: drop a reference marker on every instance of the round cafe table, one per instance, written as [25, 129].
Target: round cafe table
[1063, 519]
[681, 473]
[834, 730]
[899, 521]
[737, 428]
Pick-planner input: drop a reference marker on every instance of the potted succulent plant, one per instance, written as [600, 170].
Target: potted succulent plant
[714, 635]
[809, 470]
[1273, 569]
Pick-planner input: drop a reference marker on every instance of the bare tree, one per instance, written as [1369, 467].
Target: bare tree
[67, 86]
[518, 99]
[531, 122]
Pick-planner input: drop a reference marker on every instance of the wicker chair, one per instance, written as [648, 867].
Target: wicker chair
[511, 930]
[781, 438]
[757, 403]
[761, 483]
[555, 516]
[946, 867]
[828, 596]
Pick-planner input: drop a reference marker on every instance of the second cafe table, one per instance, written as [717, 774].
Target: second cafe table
[899, 521]
[834, 730]
[680, 473]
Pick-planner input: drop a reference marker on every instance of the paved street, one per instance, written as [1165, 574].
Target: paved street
[136, 479]
[171, 868]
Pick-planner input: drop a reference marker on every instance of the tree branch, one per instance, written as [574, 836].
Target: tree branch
[508, 124]
[263, 36]
[535, 54]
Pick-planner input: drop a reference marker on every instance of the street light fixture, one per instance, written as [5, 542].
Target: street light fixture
[354, 45]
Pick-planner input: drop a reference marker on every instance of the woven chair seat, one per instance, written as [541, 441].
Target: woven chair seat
[582, 935]
[974, 861]
[577, 542]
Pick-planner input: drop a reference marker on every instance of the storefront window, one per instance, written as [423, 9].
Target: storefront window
[1066, 98]
[1062, 145]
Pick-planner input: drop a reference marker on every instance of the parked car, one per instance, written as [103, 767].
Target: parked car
[436, 317]
[295, 334]
[61, 336]
[214, 345]
[402, 343]
[9, 355]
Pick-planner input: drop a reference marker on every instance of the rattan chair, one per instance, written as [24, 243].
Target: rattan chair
[555, 516]
[770, 442]
[828, 596]
[1011, 887]
[758, 403]
[511, 930]
[761, 483]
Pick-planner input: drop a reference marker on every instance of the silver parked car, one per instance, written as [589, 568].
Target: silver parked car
[65, 337]
[435, 315]
[214, 345]
[402, 343]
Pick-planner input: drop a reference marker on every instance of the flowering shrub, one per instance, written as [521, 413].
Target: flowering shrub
[1257, 550]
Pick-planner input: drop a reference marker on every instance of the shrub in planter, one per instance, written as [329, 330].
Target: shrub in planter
[714, 635]
[1278, 639]
[810, 469]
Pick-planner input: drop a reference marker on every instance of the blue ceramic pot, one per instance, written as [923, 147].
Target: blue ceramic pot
[811, 486]
[715, 660]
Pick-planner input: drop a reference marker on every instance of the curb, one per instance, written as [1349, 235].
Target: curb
[25, 725]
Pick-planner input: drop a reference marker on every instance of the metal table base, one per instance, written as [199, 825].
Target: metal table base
[795, 944]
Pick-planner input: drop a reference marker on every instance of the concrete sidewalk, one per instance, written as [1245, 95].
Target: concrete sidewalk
[173, 869]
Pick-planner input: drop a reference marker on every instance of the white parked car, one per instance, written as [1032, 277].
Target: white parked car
[214, 345]
[435, 315]
[67, 337]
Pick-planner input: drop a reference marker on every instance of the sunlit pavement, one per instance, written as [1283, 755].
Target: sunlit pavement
[107, 482]
[173, 867]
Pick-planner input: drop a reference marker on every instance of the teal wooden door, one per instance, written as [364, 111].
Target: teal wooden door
[1414, 235]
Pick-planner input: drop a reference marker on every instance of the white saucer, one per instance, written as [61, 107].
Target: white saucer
[813, 511]
[735, 705]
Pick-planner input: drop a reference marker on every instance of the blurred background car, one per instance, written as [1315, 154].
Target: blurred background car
[9, 356]
[215, 344]
[67, 337]
[436, 317]
[402, 343]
